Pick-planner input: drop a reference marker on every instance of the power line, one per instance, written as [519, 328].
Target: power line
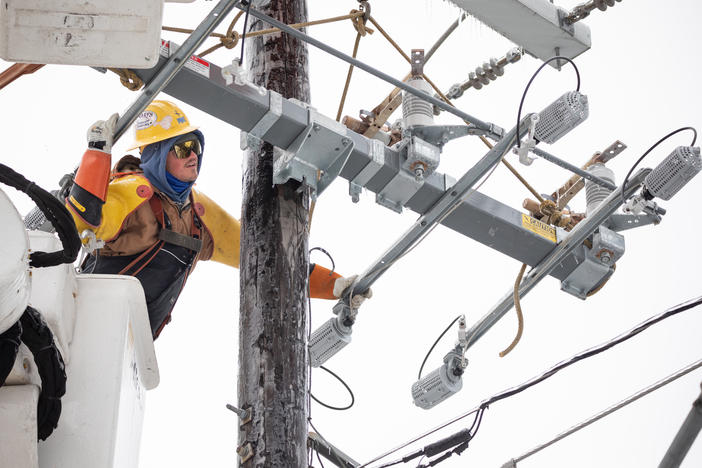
[651, 388]
[552, 371]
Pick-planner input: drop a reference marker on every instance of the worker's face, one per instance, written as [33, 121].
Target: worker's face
[182, 169]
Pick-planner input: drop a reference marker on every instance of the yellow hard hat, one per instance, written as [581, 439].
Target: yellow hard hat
[160, 121]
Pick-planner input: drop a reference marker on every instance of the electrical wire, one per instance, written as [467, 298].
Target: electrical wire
[628, 174]
[521, 103]
[336, 408]
[325, 253]
[319, 459]
[553, 370]
[243, 31]
[632, 398]
[419, 375]
[455, 443]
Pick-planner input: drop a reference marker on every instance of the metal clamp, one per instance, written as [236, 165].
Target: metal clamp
[317, 155]
[376, 152]
[253, 138]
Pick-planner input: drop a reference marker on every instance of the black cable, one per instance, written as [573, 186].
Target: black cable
[327, 254]
[243, 31]
[628, 174]
[521, 103]
[55, 212]
[319, 459]
[336, 408]
[419, 376]
[596, 350]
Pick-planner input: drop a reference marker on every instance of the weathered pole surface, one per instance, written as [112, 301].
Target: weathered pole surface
[273, 323]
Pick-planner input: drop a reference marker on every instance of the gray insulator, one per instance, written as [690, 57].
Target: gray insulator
[594, 193]
[416, 111]
[562, 116]
[482, 75]
[496, 69]
[674, 172]
[474, 80]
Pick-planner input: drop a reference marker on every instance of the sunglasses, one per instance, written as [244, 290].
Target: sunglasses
[183, 149]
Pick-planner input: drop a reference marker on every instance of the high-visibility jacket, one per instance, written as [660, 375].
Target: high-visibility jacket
[155, 239]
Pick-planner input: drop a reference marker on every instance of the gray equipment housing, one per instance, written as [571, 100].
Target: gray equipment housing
[562, 116]
[596, 263]
[328, 339]
[674, 172]
[439, 384]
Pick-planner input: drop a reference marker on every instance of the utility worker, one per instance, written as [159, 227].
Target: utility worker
[153, 224]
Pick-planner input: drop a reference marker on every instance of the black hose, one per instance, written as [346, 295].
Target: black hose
[55, 212]
[9, 346]
[40, 341]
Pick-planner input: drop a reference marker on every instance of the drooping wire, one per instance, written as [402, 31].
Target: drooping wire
[319, 459]
[628, 174]
[327, 254]
[419, 375]
[336, 408]
[521, 103]
[553, 370]
[243, 31]
[454, 444]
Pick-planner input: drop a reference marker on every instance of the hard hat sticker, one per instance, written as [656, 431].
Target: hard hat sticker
[165, 123]
[145, 120]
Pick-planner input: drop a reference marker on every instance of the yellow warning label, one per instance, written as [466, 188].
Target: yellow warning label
[538, 227]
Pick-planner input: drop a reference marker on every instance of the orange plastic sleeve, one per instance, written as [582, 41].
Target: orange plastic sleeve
[94, 173]
[322, 283]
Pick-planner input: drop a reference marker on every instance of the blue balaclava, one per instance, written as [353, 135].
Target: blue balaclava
[153, 163]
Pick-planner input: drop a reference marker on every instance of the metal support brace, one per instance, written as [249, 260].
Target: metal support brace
[173, 65]
[441, 209]
[574, 239]
[685, 437]
[574, 169]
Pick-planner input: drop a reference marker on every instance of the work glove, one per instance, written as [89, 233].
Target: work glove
[341, 284]
[101, 134]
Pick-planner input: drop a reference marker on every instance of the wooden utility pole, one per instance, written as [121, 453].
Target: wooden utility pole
[273, 322]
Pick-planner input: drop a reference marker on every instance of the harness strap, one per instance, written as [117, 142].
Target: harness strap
[192, 242]
[181, 240]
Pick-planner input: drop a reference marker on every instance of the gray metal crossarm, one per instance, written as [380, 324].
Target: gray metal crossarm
[173, 65]
[574, 239]
[371, 164]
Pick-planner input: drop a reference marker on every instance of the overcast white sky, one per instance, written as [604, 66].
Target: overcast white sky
[641, 76]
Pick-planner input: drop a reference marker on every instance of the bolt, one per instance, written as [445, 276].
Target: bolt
[605, 257]
[418, 173]
[345, 141]
[316, 127]
[354, 198]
